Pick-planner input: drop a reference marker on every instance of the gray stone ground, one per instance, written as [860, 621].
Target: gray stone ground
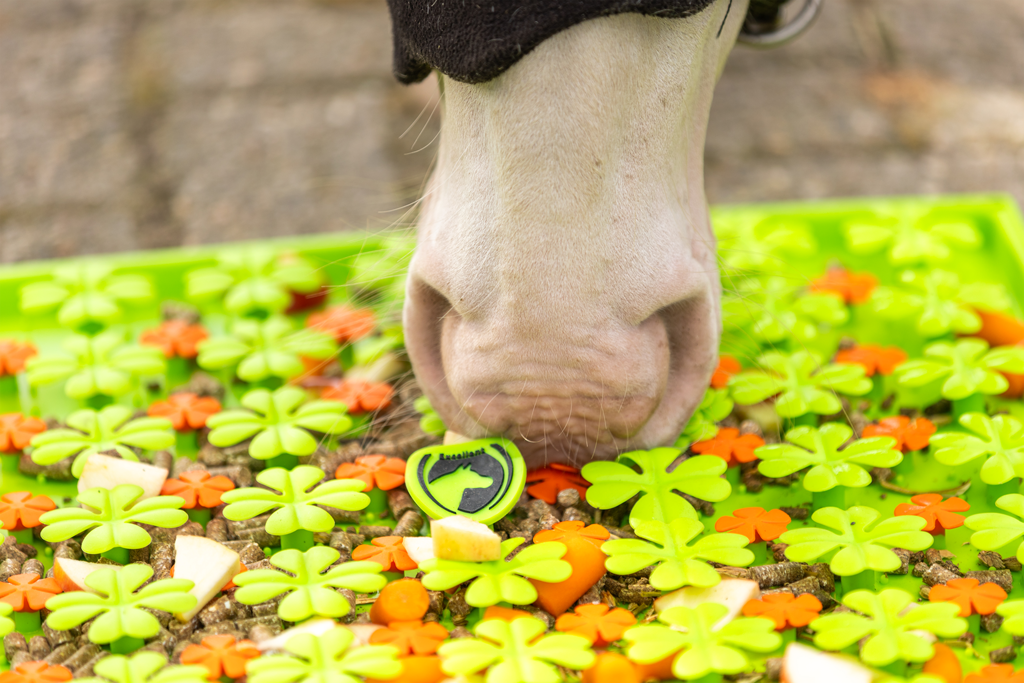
[131, 124]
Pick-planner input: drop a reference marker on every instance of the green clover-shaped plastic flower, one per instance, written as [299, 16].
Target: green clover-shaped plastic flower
[382, 269]
[87, 292]
[94, 366]
[298, 502]
[145, 667]
[515, 652]
[113, 514]
[863, 541]
[749, 242]
[116, 601]
[256, 279]
[500, 580]
[613, 483]
[6, 624]
[939, 302]
[892, 620]
[910, 236]
[431, 422]
[1012, 612]
[678, 563]
[702, 646]
[265, 348]
[819, 449]
[772, 310]
[993, 530]
[803, 386]
[999, 438]
[716, 405]
[310, 588]
[329, 658]
[278, 423]
[965, 367]
[94, 432]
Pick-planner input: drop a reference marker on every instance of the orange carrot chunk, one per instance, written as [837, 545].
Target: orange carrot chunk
[944, 664]
[402, 600]
[611, 667]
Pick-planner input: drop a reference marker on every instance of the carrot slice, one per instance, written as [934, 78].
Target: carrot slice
[944, 664]
[611, 667]
[402, 600]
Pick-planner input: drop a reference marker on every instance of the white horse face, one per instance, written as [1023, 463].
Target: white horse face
[564, 292]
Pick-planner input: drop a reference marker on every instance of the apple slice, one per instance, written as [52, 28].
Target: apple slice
[107, 472]
[70, 574]
[419, 548]
[316, 627]
[207, 564]
[363, 632]
[733, 593]
[451, 438]
[462, 539]
[803, 664]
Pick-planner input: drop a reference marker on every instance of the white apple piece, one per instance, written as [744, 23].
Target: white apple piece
[419, 548]
[207, 564]
[451, 438]
[383, 369]
[803, 664]
[70, 574]
[462, 539]
[733, 593]
[362, 632]
[316, 627]
[107, 472]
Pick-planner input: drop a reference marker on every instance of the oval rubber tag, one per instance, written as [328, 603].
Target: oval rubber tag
[481, 479]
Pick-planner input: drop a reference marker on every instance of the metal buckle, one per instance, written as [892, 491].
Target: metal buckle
[764, 35]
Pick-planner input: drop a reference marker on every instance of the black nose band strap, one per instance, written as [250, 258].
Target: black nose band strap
[476, 40]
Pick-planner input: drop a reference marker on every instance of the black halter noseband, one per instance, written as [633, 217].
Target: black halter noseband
[476, 40]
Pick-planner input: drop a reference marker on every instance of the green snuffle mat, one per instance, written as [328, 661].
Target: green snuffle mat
[850, 483]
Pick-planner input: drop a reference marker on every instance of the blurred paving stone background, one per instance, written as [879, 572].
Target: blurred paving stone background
[128, 124]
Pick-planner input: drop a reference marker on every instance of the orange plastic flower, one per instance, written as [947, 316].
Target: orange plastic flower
[176, 338]
[505, 613]
[388, 552]
[13, 355]
[731, 446]
[21, 510]
[972, 596]
[757, 524]
[27, 592]
[993, 673]
[873, 358]
[16, 431]
[361, 396]
[910, 435]
[597, 622]
[411, 637]
[198, 488]
[186, 411]
[547, 482]
[36, 672]
[939, 514]
[344, 323]
[854, 288]
[785, 609]
[374, 470]
[563, 531]
[727, 367]
[221, 656]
